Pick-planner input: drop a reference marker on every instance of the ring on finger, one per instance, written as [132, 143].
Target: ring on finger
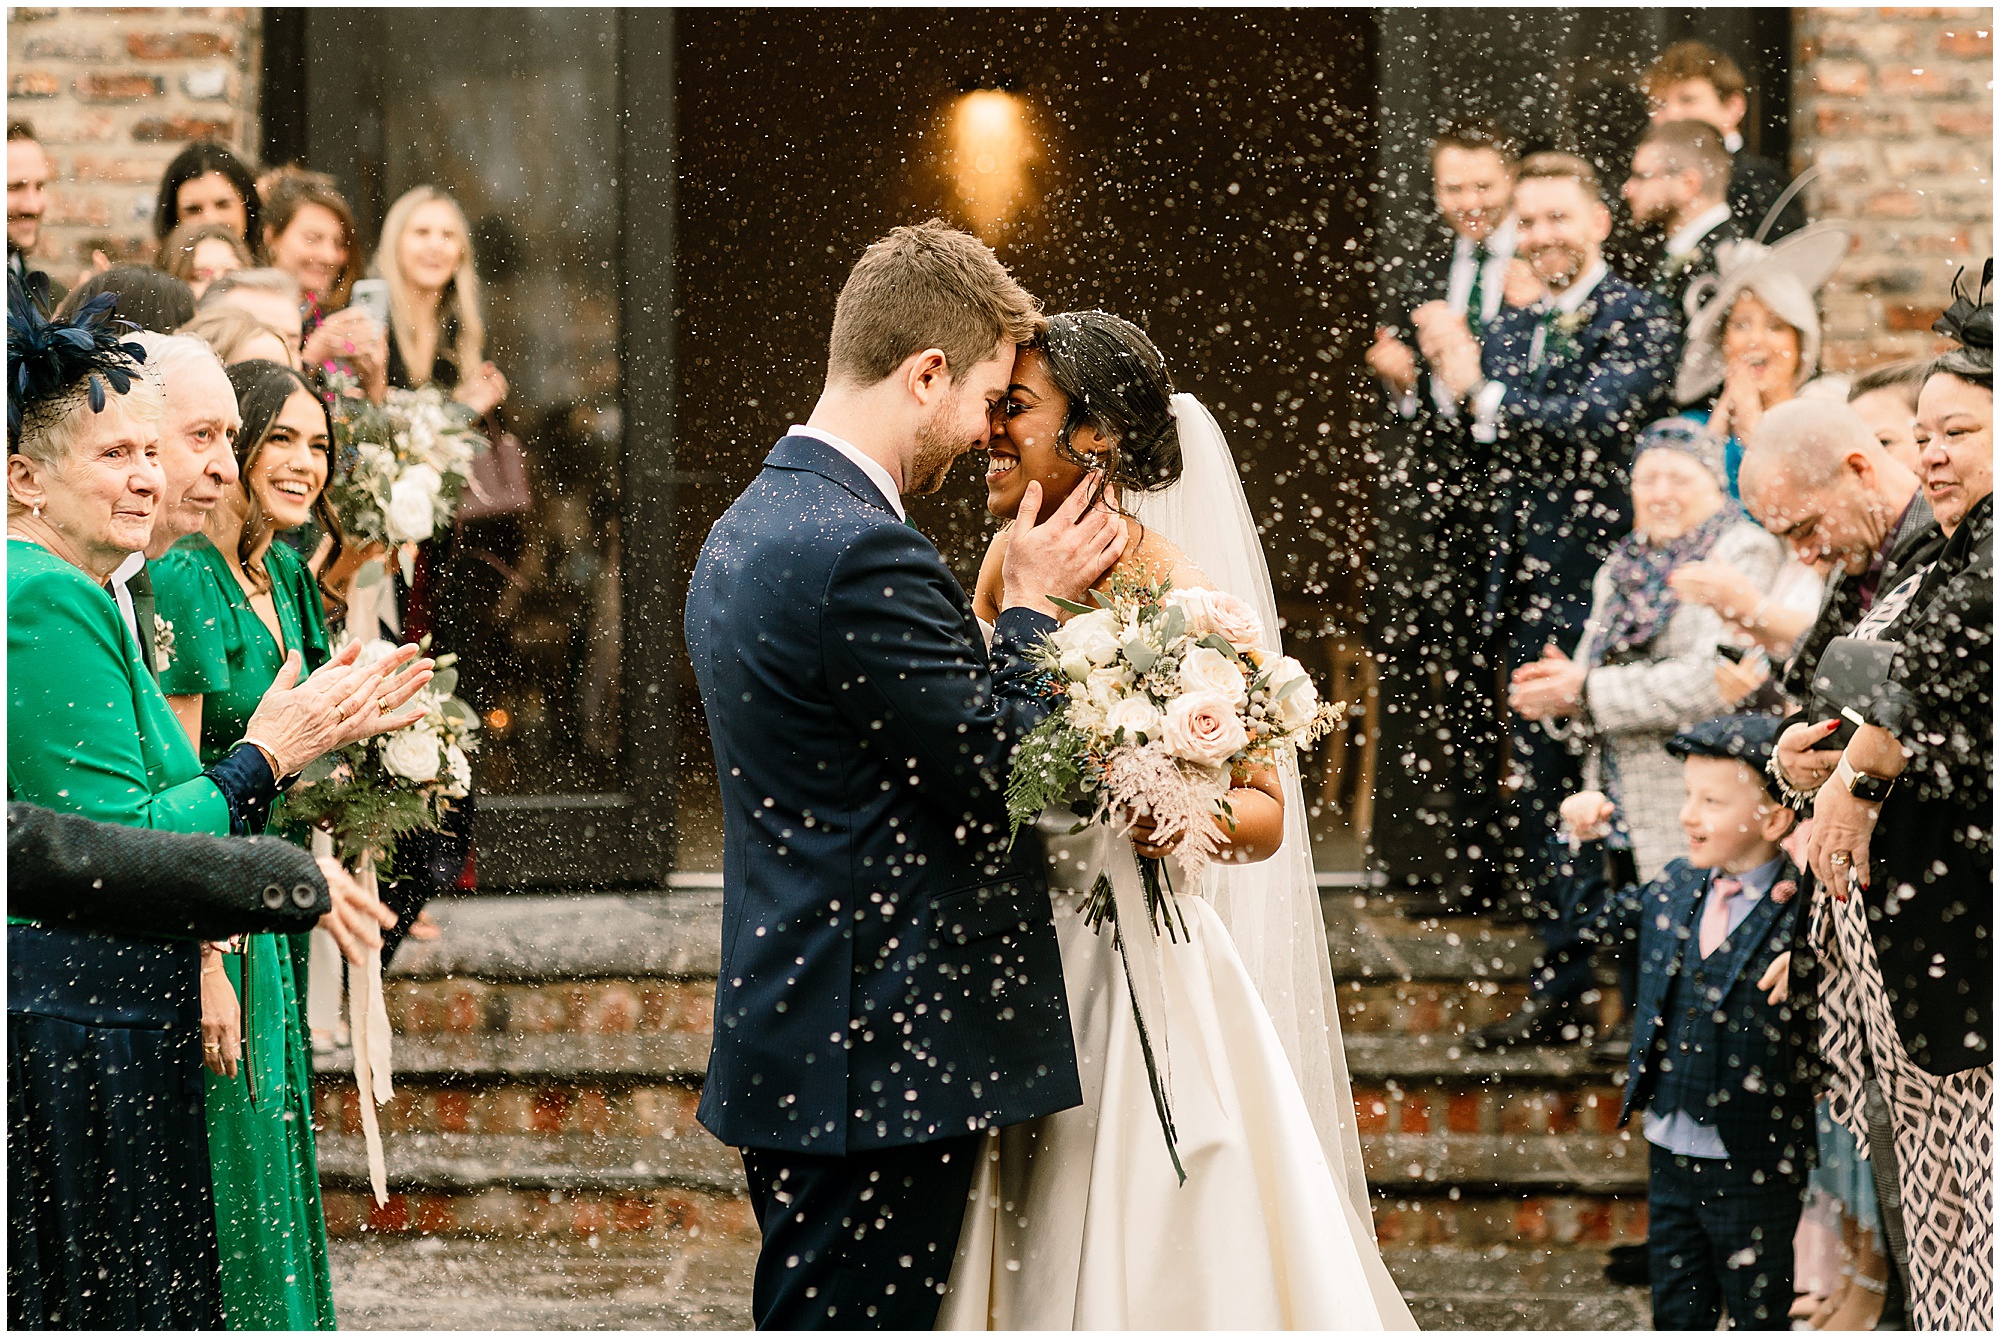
[1840, 857]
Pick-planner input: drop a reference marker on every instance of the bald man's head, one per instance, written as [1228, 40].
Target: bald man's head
[1815, 476]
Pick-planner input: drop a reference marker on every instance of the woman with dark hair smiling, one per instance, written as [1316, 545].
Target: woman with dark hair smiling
[206, 183]
[1081, 1219]
[240, 605]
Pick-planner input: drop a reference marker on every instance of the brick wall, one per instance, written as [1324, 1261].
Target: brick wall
[114, 94]
[1896, 108]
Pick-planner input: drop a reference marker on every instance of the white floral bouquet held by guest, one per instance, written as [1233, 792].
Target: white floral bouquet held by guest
[360, 799]
[403, 464]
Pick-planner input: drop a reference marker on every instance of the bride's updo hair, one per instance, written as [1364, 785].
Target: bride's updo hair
[1116, 382]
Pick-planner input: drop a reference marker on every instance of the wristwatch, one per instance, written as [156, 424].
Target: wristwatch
[1867, 788]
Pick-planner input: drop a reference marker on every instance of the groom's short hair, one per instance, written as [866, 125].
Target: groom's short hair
[926, 286]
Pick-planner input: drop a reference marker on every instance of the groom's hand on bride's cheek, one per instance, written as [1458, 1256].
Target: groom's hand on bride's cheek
[1064, 555]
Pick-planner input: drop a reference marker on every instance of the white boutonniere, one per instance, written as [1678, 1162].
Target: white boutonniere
[163, 644]
[1569, 322]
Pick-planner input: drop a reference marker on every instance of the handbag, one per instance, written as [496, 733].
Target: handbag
[498, 484]
[1850, 672]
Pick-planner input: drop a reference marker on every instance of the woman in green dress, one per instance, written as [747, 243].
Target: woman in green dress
[240, 603]
[110, 1219]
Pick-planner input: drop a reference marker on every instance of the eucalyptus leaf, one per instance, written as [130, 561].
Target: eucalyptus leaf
[407, 555]
[459, 711]
[1103, 600]
[1070, 606]
[1216, 641]
[318, 769]
[1142, 656]
[1291, 687]
[444, 682]
[1174, 623]
[370, 575]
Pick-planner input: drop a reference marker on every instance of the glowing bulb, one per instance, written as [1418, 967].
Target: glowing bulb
[992, 150]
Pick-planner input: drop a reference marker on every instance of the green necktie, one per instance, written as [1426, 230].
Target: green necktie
[1475, 305]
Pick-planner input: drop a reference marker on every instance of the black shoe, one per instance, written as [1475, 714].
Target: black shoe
[1535, 1022]
[1629, 1266]
[1616, 1047]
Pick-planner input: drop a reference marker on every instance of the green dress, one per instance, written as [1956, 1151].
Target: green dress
[268, 1217]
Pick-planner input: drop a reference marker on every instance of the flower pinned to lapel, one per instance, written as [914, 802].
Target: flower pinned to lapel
[163, 644]
[1783, 891]
[1569, 322]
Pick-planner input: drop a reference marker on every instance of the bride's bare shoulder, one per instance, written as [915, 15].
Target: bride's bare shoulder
[1153, 557]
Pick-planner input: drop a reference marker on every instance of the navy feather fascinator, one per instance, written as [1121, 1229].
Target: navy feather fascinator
[1969, 320]
[47, 358]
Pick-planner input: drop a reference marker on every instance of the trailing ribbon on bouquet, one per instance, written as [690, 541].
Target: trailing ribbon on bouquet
[1125, 892]
[368, 1027]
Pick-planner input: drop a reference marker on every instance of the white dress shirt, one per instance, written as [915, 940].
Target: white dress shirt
[126, 571]
[877, 475]
[1684, 239]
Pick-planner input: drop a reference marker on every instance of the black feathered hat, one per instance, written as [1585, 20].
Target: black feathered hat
[48, 359]
[1969, 321]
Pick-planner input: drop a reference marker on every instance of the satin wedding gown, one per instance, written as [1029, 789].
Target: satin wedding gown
[1078, 1220]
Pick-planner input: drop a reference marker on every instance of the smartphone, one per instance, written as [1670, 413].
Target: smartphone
[372, 296]
[1733, 654]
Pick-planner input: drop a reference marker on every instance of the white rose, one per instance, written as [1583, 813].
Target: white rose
[1137, 716]
[1295, 710]
[1106, 687]
[1202, 727]
[412, 511]
[412, 754]
[1206, 669]
[1075, 665]
[1092, 635]
[374, 652]
[458, 767]
[1217, 611]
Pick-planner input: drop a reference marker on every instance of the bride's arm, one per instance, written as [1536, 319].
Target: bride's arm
[1258, 805]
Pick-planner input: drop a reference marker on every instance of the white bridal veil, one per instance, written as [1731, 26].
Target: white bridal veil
[1271, 909]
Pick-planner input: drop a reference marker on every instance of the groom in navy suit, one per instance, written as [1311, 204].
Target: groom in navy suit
[890, 985]
[1560, 388]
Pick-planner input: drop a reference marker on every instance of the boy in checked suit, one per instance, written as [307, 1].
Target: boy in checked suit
[1711, 1076]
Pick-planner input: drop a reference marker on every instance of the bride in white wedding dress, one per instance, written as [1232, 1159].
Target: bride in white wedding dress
[1081, 1220]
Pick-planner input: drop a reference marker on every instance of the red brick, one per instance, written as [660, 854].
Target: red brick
[1415, 1113]
[89, 167]
[174, 129]
[64, 48]
[631, 1215]
[1531, 1221]
[436, 1215]
[1923, 81]
[1969, 123]
[454, 1112]
[391, 1216]
[119, 87]
[1371, 1111]
[587, 1217]
[1465, 1114]
[551, 1111]
[74, 127]
[1562, 1114]
[1898, 316]
[1973, 43]
[615, 1011]
[1594, 1224]
[179, 46]
[590, 1113]
[1895, 204]
[343, 1214]
[1840, 78]
[70, 207]
[1524, 1114]
[462, 1012]
[34, 84]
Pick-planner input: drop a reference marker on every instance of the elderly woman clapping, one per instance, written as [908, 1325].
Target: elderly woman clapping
[1645, 665]
[88, 732]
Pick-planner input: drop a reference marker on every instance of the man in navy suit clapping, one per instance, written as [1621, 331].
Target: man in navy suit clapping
[1560, 387]
[889, 985]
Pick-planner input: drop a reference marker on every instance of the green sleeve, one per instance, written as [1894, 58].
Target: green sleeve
[87, 731]
[186, 594]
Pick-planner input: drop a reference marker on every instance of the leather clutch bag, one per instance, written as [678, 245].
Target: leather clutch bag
[1849, 674]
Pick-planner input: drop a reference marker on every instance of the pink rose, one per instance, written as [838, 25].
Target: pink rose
[1203, 728]
[1217, 611]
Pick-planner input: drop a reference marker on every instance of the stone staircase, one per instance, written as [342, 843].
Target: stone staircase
[546, 1170]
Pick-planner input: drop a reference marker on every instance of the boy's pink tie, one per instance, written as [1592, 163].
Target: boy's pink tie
[1715, 919]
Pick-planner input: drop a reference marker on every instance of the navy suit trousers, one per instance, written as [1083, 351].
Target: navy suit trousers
[1720, 1238]
[858, 1242]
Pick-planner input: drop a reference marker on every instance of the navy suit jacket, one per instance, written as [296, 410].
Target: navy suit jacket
[1764, 1116]
[889, 967]
[1559, 493]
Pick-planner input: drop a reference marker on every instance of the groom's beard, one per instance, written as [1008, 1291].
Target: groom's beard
[937, 450]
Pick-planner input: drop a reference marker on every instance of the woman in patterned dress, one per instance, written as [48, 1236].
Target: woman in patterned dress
[1902, 846]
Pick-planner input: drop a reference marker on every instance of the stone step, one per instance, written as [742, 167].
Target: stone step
[1397, 1164]
[703, 1282]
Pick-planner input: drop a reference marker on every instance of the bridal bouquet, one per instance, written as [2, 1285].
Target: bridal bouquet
[360, 799]
[1165, 694]
[403, 463]
[372, 792]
